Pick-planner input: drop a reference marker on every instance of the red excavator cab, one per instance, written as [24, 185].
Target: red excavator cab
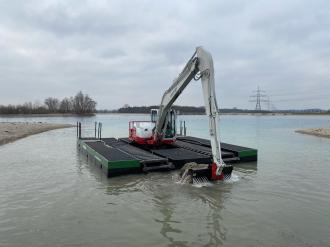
[143, 132]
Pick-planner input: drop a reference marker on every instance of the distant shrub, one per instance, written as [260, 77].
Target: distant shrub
[79, 104]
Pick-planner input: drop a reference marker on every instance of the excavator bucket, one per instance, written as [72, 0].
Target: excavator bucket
[192, 173]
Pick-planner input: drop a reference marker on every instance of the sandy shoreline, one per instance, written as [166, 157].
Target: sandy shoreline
[321, 132]
[10, 132]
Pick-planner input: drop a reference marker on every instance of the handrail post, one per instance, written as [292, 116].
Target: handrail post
[100, 131]
[95, 123]
[79, 130]
[184, 128]
[180, 127]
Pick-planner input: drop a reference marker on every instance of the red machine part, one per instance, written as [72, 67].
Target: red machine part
[134, 137]
[214, 175]
[142, 140]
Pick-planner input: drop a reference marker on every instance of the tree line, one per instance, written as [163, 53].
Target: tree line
[183, 110]
[147, 109]
[78, 104]
[199, 110]
[179, 109]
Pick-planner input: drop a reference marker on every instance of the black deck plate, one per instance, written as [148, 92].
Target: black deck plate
[188, 149]
[202, 149]
[207, 143]
[111, 154]
[136, 152]
[195, 146]
[180, 155]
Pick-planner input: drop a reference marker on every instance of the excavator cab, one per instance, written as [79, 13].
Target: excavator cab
[142, 132]
[154, 115]
[170, 124]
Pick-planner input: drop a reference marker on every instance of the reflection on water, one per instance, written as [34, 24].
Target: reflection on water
[215, 223]
[166, 197]
[162, 203]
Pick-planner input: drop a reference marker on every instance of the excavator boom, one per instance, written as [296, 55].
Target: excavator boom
[200, 65]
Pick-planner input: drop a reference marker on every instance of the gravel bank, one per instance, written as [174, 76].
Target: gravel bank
[10, 132]
[322, 132]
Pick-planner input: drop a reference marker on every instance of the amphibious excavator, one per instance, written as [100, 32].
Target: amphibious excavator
[161, 130]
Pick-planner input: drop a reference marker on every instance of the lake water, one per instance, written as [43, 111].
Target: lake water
[50, 195]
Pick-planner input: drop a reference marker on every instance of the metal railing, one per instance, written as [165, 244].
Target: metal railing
[82, 132]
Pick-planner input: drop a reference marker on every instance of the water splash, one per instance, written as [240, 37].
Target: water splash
[201, 182]
[233, 178]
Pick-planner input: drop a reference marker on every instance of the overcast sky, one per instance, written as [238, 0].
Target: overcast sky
[128, 52]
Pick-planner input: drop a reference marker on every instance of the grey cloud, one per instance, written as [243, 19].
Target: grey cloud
[130, 51]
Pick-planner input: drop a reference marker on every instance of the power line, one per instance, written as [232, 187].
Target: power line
[259, 96]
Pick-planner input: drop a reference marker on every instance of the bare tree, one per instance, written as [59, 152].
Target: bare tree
[52, 104]
[66, 105]
[82, 104]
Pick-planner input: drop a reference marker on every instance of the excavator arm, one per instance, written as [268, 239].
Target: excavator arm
[200, 65]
